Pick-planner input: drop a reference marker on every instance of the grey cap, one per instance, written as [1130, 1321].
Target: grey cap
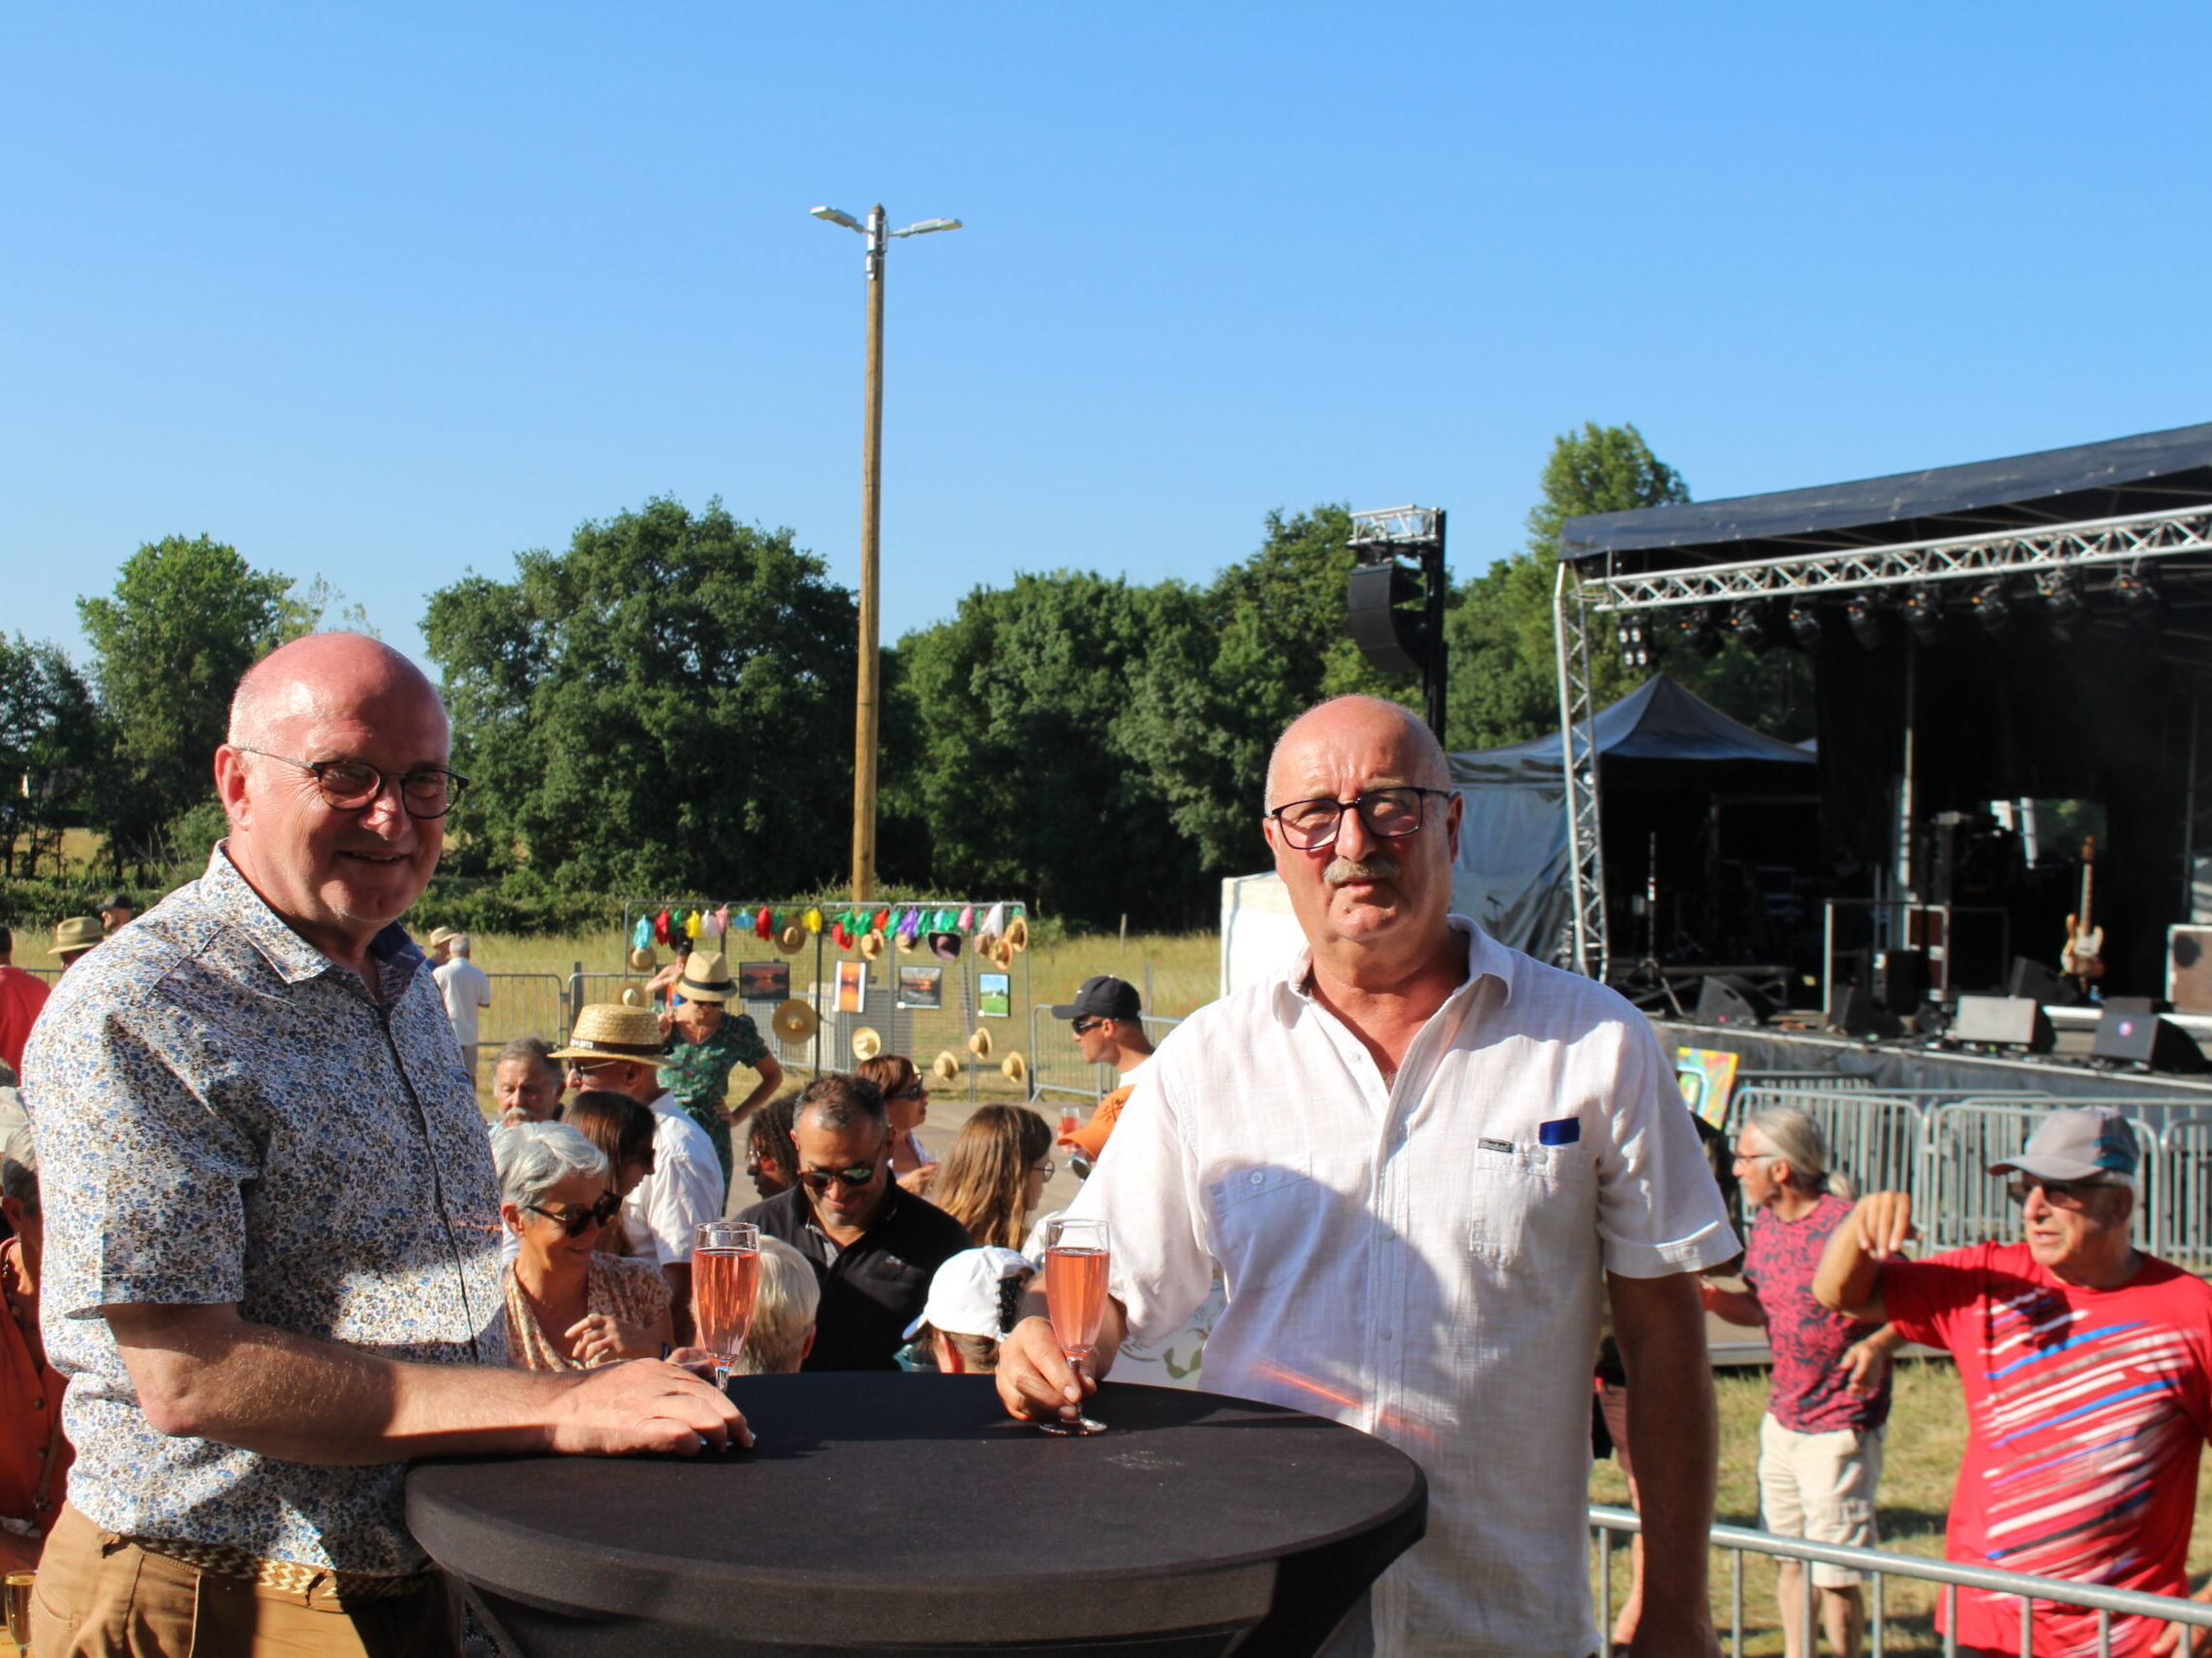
[2078, 1143]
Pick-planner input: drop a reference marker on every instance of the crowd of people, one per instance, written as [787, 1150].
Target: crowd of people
[250, 1169]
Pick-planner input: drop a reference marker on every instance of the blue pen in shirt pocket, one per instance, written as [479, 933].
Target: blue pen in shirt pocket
[1559, 1131]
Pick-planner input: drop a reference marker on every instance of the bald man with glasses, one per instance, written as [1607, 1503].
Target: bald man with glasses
[874, 1245]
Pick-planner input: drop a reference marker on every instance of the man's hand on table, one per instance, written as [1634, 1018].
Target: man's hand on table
[1034, 1381]
[644, 1405]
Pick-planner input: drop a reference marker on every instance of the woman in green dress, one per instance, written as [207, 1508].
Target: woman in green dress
[706, 1042]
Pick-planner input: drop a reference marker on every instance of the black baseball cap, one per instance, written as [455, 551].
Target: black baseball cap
[1102, 998]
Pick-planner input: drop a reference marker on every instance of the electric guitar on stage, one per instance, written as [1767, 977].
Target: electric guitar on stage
[2083, 956]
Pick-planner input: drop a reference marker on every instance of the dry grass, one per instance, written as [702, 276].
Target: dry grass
[1925, 1442]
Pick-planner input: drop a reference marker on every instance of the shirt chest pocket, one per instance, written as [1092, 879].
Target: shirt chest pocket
[1523, 1205]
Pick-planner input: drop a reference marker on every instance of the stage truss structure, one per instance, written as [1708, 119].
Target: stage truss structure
[1957, 561]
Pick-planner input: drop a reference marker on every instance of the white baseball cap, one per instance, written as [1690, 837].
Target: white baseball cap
[964, 1296]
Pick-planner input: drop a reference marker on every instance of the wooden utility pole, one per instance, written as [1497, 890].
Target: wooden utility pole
[868, 696]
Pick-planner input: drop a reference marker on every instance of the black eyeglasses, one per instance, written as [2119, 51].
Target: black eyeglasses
[1048, 1169]
[1389, 813]
[1089, 1022]
[2059, 1193]
[858, 1176]
[577, 1222]
[350, 784]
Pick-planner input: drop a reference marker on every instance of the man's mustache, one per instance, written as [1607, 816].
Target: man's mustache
[1381, 866]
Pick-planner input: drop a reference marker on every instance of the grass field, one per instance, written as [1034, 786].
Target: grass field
[1925, 1441]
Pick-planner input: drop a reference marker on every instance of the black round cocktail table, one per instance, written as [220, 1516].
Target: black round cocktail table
[883, 1512]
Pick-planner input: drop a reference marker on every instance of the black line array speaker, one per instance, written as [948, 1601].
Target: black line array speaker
[2003, 1021]
[1853, 1010]
[2146, 1039]
[1729, 999]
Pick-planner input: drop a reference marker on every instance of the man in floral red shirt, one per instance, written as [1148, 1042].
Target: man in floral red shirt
[1819, 1444]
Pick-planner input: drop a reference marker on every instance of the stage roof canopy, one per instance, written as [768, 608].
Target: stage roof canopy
[2153, 472]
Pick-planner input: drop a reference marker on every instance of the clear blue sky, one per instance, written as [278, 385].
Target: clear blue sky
[383, 293]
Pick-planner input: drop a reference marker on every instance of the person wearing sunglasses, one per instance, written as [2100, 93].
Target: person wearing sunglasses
[906, 1099]
[2087, 1366]
[1106, 1020]
[874, 1245]
[569, 1305]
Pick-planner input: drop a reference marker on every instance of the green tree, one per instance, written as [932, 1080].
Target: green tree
[50, 750]
[1018, 773]
[185, 620]
[666, 707]
[1234, 662]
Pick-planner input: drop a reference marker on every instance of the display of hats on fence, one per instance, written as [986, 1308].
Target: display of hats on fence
[867, 1042]
[633, 996]
[979, 1043]
[793, 1021]
[1015, 1069]
[1018, 934]
[793, 939]
[945, 946]
[642, 960]
[946, 1066]
[872, 946]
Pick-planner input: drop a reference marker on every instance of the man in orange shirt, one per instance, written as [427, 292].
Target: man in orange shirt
[34, 1457]
[1107, 1025]
[21, 995]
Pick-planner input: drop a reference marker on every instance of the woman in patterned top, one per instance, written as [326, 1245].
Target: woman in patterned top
[706, 1042]
[568, 1306]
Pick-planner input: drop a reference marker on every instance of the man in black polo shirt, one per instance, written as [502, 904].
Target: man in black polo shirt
[874, 1246]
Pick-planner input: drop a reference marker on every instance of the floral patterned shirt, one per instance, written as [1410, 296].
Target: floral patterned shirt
[632, 1291]
[698, 1073]
[226, 1116]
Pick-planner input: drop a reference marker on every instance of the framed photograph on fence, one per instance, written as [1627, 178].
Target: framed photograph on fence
[763, 981]
[851, 986]
[922, 987]
[994, 994]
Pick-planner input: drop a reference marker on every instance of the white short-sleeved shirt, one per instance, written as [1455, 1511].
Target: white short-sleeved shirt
[1420, 1260]
[683, 1189]
[465, 988]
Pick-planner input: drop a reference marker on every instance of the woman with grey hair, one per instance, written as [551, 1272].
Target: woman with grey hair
[568, 1306]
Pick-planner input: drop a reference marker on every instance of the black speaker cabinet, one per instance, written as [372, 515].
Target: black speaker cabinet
[1900, 980]
[2003, 1021]
[2030, 978]
[2146, 1039]
[1727, 999]
[2189, 967]
[1853, 1011]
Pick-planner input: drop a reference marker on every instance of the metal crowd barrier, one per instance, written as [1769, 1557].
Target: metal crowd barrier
[1052, 1050]
[1881, 1565]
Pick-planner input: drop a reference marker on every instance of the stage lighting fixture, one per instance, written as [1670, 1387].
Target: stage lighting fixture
[1700, 630]
[1640, 647]
[1807, 624]
[2063, 602]
[2141, 595]
[1758, 627]
[1924, 614]
[1993, 608]
[1869, 619]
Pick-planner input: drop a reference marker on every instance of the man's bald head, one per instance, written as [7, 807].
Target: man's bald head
[314, 674]
[1354, 718]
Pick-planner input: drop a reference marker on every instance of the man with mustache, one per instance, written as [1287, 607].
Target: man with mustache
[1419, 1160]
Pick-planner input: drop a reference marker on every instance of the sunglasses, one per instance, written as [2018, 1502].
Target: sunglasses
[858, 1176]
[577, 1222]
[2059, 1194]
[1086, 1024]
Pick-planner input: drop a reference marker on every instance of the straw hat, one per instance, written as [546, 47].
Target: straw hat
[872, 946]
[946, 1066]
[945, 946]
[793, 939]
[905, 944]
[1018, 934]
[795, 1020]
[706, 977]
[633, 996]
[979, 1044]
[867, 1042]
[643, 961]
[438, 935]
[1002, 952]
[76, 935]
[611, 1031]
[1016, 1069]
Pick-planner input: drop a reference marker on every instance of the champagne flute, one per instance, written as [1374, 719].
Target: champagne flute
[725, 1276]
[20, 1610]
[1077, 1254]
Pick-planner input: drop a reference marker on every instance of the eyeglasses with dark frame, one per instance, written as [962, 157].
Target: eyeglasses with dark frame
[353, 785]
[577, 1222]
[1087, 1023]
[1389, 813]
[2059, 1194]
[858, 1176]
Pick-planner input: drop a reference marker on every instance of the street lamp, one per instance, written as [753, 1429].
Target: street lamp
[868, 696]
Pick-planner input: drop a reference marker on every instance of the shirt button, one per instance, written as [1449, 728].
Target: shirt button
[1257, 1177]
[1390, 1235]
[1386, 1334]
[37, 1404]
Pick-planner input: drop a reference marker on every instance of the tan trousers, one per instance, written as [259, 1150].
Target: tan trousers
[101, 1596]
